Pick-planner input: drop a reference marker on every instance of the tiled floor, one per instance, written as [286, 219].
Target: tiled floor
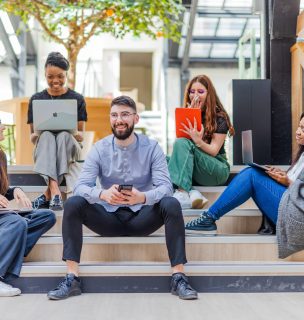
[210, 306]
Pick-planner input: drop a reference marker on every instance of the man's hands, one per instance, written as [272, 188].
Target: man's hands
[278, 175]
[125, 197]
[21, 198]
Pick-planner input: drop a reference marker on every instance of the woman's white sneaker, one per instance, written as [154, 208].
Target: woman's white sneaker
[183, 198]
[6, 290]
[198, 201]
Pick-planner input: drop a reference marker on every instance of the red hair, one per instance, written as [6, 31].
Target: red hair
[212, 107]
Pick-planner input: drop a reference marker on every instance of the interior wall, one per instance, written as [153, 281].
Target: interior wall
[140, 78]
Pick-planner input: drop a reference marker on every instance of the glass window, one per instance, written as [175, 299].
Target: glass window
[230, 27]
[238, 3]
[199, 50]
[223, 50]
[247, 50]
[210, 3]
[205, 26]
[254, 24]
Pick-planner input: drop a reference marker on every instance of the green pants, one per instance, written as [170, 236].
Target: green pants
[190, 165]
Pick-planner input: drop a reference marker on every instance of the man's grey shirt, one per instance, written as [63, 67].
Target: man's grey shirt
[142, 164]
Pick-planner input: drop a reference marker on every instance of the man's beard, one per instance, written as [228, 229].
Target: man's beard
[123, 135]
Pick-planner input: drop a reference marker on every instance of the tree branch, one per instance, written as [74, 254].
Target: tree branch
[46, 29]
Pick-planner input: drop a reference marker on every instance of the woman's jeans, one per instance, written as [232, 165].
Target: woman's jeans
[189, 165]
[250, 183]
[18, 235]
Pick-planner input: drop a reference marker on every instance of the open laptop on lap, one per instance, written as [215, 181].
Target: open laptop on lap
[55, 115]
[247, 152]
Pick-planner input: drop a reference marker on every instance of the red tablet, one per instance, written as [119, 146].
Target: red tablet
[181, 116]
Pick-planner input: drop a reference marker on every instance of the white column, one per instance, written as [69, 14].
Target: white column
[111, 72]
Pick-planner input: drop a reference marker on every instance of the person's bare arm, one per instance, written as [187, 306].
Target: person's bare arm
[34, 136]
[79, 134]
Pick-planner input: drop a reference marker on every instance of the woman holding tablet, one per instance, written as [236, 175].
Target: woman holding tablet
[266, 188]
[55, 151]
[202, 158]
[18, 232]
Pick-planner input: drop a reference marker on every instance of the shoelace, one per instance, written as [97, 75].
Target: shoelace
[66, 282]
[36, 203]
[199, 220]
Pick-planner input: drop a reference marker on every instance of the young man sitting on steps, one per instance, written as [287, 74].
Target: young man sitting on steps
[123, 158]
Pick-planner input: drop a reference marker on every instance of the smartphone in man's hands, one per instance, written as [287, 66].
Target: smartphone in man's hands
[122, 187]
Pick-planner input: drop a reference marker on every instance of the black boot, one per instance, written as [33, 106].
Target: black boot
[181, 287]
[267, 227]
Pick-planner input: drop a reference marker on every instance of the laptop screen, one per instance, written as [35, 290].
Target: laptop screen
[247, 153]
[55, 115]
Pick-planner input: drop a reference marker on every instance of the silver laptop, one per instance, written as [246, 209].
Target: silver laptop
[247, 152]
[55, 115]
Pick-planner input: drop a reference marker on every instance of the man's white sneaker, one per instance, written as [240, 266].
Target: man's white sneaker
[183, 198]
[198, 201]
[6, 290]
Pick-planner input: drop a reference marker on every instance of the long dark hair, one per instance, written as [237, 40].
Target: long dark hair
[213, 106]
[3, 173]
[299, 151]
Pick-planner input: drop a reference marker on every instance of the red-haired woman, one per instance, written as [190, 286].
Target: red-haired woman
[202, 159]
[18, 232]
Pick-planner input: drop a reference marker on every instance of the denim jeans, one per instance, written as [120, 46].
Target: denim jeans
[18, 235]
[189, 165]
[250, 183]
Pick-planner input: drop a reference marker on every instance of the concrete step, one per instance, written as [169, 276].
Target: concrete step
[139, 276]
[153, 248]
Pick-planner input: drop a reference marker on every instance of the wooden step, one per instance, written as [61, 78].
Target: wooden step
[37, 269]
[153, 248]
[238, 221]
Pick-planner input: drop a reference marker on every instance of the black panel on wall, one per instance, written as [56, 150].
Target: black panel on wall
[251, 107]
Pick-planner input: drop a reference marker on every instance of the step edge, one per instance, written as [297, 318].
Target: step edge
[166, 269]
[160, 239]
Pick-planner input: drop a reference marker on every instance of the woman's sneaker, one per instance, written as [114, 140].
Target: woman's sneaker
[183, 198]
[204, 224]
[198, 201]
[41, 202]
[6, 290]
[56, 203]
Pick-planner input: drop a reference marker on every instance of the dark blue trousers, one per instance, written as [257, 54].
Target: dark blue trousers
[18, 235]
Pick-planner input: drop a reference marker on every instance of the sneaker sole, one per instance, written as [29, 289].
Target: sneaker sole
[190, 297]
[56, 208]
[11, 294]
[201, 232]
[199, 204]
[73, 294]
[186, 206]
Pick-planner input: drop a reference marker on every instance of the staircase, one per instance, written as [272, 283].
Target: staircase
[235, 260]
